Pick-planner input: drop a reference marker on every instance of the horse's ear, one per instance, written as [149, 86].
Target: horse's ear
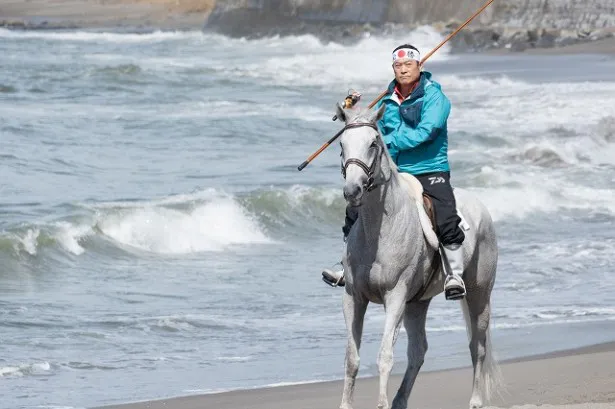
[378, 114]
[340, 112]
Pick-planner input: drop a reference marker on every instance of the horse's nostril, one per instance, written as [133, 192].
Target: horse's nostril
[352, 191]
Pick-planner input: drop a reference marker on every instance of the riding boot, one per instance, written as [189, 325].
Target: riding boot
[335, 278]
[454, 287]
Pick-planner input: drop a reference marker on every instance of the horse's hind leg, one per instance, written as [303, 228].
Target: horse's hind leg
[354, 313]
[414, 321]
[477, 310]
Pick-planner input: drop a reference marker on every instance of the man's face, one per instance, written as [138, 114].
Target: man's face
[407, 71]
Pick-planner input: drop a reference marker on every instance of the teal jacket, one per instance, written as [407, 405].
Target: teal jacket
[415, 131]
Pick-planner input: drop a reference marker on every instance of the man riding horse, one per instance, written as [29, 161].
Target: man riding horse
[414, 128]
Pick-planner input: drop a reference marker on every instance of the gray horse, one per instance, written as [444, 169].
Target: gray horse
[392, 258]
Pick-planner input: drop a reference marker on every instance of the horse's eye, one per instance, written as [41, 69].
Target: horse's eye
[374, 144]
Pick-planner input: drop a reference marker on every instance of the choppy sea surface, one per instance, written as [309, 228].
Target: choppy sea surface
[156, 238]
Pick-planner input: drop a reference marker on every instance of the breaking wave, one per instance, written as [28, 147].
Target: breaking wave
[212, 220]
[301, 60]
[208, 220]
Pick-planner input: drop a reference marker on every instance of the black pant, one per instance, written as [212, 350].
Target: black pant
[438, 187]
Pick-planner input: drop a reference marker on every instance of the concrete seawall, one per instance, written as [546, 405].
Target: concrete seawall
[514, 24]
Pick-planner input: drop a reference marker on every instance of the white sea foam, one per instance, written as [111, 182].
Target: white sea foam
[232, 359]
[269, 385]
[355, 66]
[25, 369]
[69, 235]
[29, 241]
[208, 227]
[107, 37]
[501, 105]
[66, 234]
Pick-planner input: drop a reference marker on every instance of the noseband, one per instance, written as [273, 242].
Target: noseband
[369, 170]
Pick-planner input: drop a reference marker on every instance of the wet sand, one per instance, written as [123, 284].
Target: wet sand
[575, 379]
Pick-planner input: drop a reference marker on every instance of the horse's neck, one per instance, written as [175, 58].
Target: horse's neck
[386, 207]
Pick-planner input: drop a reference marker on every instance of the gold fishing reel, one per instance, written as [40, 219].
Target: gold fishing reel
[350, 101]
[352, 98]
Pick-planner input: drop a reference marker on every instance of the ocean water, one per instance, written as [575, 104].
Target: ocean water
[156, 238]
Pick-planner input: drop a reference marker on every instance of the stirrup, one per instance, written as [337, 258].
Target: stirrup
[456, 290]
[328, 276]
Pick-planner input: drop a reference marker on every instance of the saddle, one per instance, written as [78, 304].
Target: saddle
[425, 207]
[425, 203]
[427, 215]
[428, 206]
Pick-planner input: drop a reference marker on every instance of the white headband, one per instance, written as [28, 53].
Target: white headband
[410, 53]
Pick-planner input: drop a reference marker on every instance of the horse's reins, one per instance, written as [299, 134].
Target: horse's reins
[369, 170]
[371, 185]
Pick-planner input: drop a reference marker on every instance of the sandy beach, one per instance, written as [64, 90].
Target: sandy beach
[145, 14]
[581, 378]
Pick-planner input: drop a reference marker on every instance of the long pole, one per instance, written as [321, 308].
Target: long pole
[375, 101]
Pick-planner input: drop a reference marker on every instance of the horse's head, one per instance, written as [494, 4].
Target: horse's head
[364, 158]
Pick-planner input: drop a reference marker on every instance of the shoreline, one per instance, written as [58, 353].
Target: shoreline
[583, 377]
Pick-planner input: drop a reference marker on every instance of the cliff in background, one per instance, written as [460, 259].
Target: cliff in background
[515, 24]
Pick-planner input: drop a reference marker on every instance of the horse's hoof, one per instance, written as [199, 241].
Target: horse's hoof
[476, 403]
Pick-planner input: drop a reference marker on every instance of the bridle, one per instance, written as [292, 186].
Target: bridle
[369, 170]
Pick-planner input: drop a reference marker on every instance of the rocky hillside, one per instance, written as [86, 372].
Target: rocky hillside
[549, 14]
[514, 24]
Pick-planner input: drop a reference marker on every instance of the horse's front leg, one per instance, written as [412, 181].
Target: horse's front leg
[394, 308]
[354, 313]
[414, 321]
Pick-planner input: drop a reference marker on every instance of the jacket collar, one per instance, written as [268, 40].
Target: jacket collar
[418, 92]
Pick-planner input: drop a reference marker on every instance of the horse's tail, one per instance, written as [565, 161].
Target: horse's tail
[492, 376]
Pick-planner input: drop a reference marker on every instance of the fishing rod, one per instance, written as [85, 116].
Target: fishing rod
[350, 101]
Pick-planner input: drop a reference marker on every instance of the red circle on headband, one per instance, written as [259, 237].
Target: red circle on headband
[401, 53]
